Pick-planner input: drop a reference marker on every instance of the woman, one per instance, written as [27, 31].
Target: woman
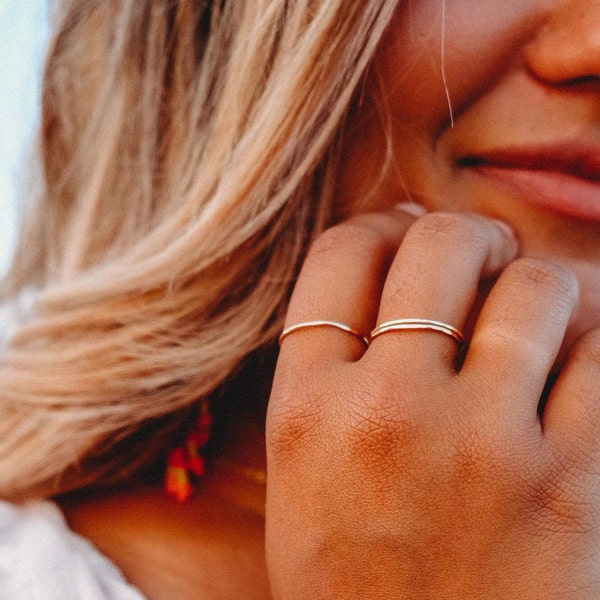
[192, 152]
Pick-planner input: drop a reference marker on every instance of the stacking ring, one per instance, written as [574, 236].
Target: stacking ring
[323, 323]
[404, 324]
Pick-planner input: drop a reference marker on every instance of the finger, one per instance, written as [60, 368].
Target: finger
[340, 281]
[573, 406]
[435, 275]
[519, 332]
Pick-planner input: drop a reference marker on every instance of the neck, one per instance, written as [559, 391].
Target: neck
[238, 470]
[238, 476]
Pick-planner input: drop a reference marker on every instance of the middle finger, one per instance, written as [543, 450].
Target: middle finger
[435, 276]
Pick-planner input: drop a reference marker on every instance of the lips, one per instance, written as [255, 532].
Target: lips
[562, 179]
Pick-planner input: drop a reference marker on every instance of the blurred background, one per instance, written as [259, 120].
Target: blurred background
[23, 37]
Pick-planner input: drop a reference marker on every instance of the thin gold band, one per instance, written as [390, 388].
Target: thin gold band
[323, 323]
[404, 324]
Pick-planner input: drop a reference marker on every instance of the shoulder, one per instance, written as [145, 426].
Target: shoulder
[41, 557]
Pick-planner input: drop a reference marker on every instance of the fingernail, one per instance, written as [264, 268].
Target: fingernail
[505, 227]
[411, 208]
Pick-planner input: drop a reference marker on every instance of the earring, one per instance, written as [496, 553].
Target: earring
[185, 463]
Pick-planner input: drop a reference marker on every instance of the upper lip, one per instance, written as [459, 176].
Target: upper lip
[574, 159]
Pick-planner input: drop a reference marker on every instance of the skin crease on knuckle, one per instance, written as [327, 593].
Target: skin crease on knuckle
[531, 278]
[550, 277]
[451, 232]
[453, 227]
[298, 421]
[378, 438]
[342, 238]
[559, 499]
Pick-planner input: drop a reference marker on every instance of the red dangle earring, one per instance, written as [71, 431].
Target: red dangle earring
[185, 463]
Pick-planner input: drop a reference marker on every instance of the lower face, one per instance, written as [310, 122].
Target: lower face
[480, 119]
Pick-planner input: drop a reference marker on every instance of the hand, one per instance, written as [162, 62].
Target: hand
[393, 474]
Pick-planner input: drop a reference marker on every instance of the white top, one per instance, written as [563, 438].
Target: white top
[42, 559]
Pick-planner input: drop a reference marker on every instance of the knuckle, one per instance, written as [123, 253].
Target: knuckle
[561, 499]
[485, 446]
[479, 451]
[346, 236]
[290, 428]
[469, 458]
[293, 415]
[546, 276]
[377, 435]
[460, 228]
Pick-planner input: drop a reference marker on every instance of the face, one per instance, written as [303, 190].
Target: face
[490, 107]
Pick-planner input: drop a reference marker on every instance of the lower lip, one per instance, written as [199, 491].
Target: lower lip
[559, 193]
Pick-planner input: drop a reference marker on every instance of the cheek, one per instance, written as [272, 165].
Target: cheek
[437, 54]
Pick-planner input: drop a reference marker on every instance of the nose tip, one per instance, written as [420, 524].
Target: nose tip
[566, 47]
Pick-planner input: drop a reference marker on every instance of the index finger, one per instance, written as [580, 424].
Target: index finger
[341, 281]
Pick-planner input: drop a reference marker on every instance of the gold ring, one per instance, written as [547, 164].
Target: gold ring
[323, 323]
[404, 324]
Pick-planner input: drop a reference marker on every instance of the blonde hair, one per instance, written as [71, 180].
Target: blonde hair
[189, 150]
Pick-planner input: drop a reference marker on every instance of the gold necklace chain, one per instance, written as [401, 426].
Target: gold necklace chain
[258, 476]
